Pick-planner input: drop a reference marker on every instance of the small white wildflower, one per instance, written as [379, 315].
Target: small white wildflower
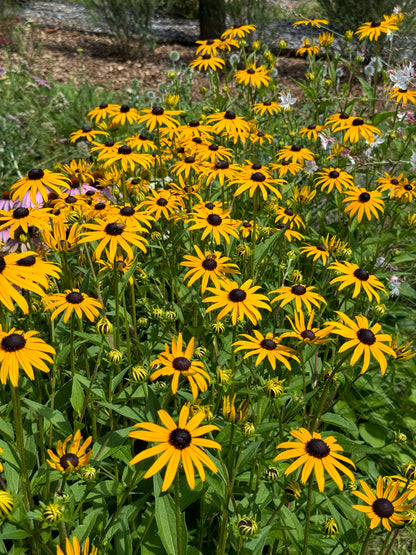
[287, 100]
[413, 161]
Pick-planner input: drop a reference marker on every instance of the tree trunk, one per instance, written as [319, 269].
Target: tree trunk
[211, 19]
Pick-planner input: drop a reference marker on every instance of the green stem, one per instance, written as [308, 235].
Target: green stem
[307, 517]
[18, 428]
[365, 542]
[72, 347]
[178, 516]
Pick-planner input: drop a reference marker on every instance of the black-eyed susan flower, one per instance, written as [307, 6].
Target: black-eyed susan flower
[364, 340]
[316, 454]
[101, 112]
[209, 46]
[220, 170]
[176, 362]
[127, 158]
[300, 294]
[218, 223]
[228, 123]
[36, 269]
[267, 107]
[287, 216]
[188, 166]
[307, 48]
[389, 183]
[312, 21]
[158, 116]
[330, 527]
[208, 266]
[311, 131]
[352, 274]
[86, 133]
[402, 95]
[52, 513]
[403, 351]
[75, 548]
[373, 29]
[141, 142]
[162, 202]
[177, 443]
[71, 454]
[6, 503]
[61, 237]
[254, 76]
[241, 300]
[114, 235]
[260, 137]
[384, 506]
[206, 62]
[306, 331]
[285, 166]
[122, 264]
[18, 348]
[295, 153]
[339, 121]
[328, 178]
[363, 202]
[288, 233]
[325, 39]
[257, 180]
[303, 195]
[107, 149]
[39, 181]
[247, 526]
[72, 301]
[405, 192]
[122, 114]
[238, 31]
[319, 252]
[266, 346]
[273, 388]
[358, 128]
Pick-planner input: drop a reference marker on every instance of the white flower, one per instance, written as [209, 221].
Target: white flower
[413, 161]
[287, 100]
[400, 77]
[310, 167]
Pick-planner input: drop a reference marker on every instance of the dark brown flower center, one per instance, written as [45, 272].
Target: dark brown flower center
[344, 115]
[364, 197]
[298, 290]
[403, 91]
[334, 174]
[189, 160]
[237, 295]
[70, 199]
[213, 147]
[20, 212]
[99, 206]
[209, 205]
[408, 187]
[210, 41]
[366, 336]
[181, 363]
[206, 57]
[317, 448]
[127, 211]
[86, 129]
[194, 123]
[126, 150]
[74, 297]
[308, 334]
[251, 71]
[394, 181]
[247, 224]
[67, 459]
[285, 163]
[158, 111]
[260, 134]
[296, 148]
[124, 108]
[321, 248]
[357, 121]
[362, 275]
[289, 212]
[375, 24]
[222, 164]
[115, 228]
[267, 103]
[197, 140]
[383, 508]
[312, 126]
[13, 342]
[268, 344]
[180, 438]
[214, 220]
[258, 177]
[109, 143]
[103, 105]
[209, 264]
[229, 115]
[161, 202]
[27, 261]
[36, 173]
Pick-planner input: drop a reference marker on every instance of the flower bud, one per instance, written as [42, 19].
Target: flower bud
[6, 503]
[273, 388]
[142, 322]
[200, 352]
[171, 315]
[115, 356]
[379, 308]
[224, 375]
[139, 373]
[247, 526]
[282, 45]
[293, 488]
[104, 327]
[248, 429]
[400, 437]
[88, 473]
[157, 313]
[52, 513]
[271, 474]
[203, 90]
[218, 328]
[243, 251]
[256, 45]
[330, 527]
[348, 36]
[171, 75]
[310, 76]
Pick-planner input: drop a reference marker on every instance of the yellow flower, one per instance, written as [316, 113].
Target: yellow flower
[72, 457]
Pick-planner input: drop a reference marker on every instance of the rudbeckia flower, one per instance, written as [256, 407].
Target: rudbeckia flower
[306, 332]
[208, 266]
[39, 181]
[266, 346]
[239, 300]
[364, 340]
[71, 455]
[6, 503]
[300, 294]
[360, 278]
[238, 31]
[21, 218]
[127, 158]
[266, 107]
[402, 95]
[177, 443]
[162, 202]
[75, 548]
[18, 348]
[339, 121]
[101, 112]
[257, 180]
[316, 454]
[357, 128]
[363, 202]
[373, 29]
[287, 216]
[121, 114]
[334, 177]
[206, 62]
[312, 21]
[158, 116]
[86, 133]
[311, 132]
[228, 123]
[307, 48]
[72, 301]
[254, 76]
[383, 506]
[178, 364]
[295, 153]
[217, 223]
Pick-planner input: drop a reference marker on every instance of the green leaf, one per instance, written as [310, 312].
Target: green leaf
[77, 395]
[166, 518]
[53, 416]
[340, 422]
[374, 434]
[382, 116]
[368, 89]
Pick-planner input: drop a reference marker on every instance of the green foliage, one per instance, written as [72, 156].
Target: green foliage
[349, 14]
[129, 22]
